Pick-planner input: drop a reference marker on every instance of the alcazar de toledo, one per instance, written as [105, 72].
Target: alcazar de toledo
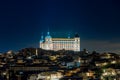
[55, 44]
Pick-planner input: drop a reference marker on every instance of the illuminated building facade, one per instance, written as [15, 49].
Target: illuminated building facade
[60, 43]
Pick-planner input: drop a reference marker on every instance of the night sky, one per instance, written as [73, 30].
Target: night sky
[96, 21]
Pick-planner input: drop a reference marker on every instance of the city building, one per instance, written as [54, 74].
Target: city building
[55, 44]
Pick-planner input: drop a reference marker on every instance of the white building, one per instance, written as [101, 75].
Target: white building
[60, 43]
[49, 76]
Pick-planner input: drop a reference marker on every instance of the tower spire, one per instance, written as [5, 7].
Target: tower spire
[76, 35]
[42, 36]
[41, 40]
[68, 35]
[48, 33]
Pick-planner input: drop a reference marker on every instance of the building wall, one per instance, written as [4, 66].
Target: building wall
[61, 43]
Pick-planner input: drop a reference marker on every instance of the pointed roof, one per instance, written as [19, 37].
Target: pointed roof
[77, 35]
[48, 35]
[42, 38]
[69, 35]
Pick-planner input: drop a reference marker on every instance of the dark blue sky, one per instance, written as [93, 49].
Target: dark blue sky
[96, 21]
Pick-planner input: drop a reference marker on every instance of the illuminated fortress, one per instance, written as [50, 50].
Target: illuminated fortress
[55, 44]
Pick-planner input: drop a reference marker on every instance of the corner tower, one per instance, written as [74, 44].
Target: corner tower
[77, 42]
[48, 42]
